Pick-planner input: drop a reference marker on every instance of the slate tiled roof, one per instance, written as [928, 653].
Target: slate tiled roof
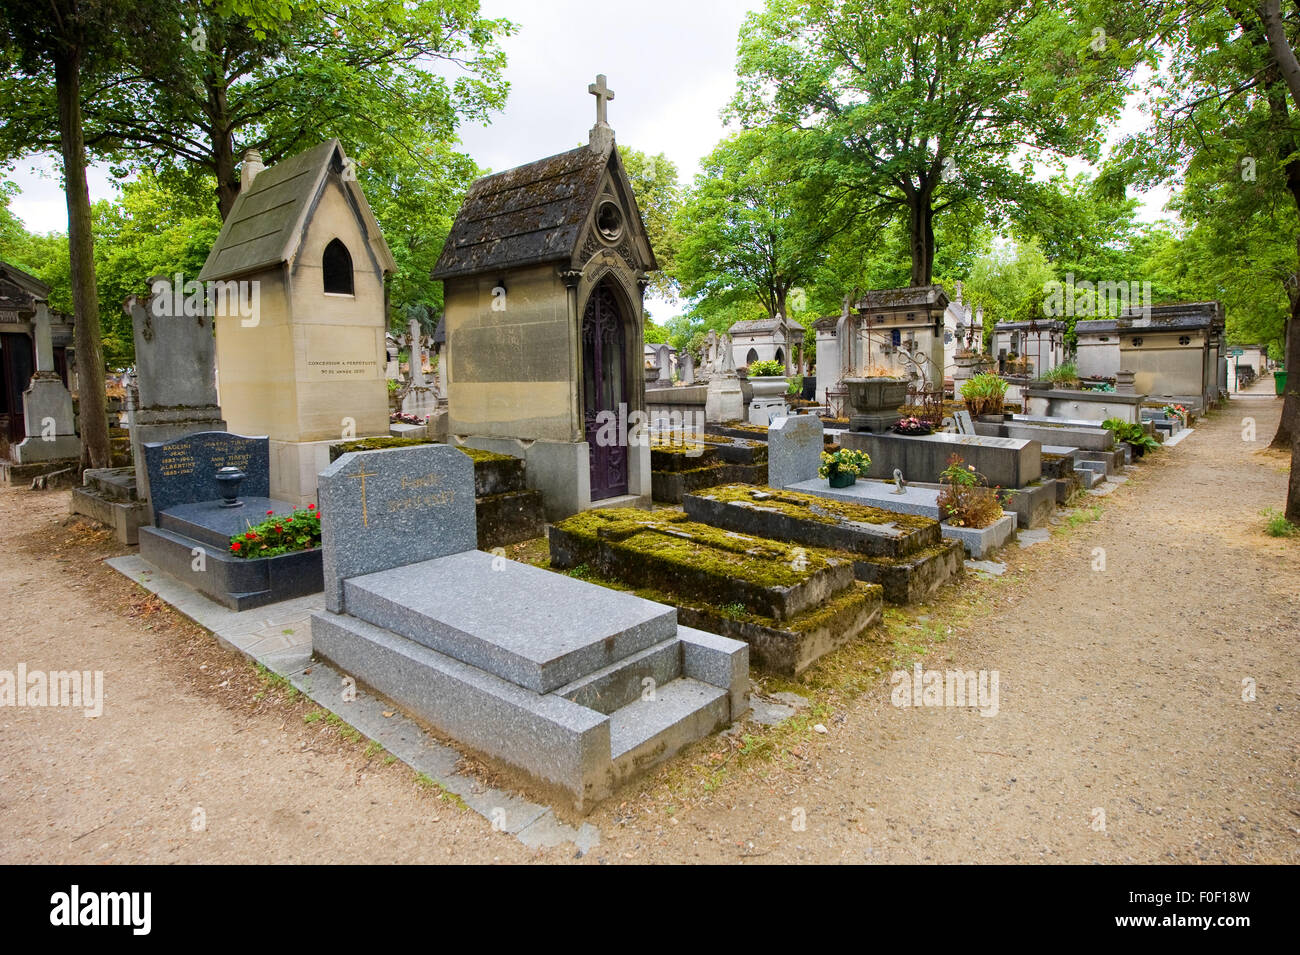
[524, 216]
[266, 223]
[903, 297]
[1179, 316]
[752, 326]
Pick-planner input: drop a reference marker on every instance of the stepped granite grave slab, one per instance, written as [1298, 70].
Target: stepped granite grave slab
[190, 536]
[534, 670]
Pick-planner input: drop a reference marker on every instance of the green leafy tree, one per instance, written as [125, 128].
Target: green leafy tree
[61, 51]
[924, 107]
[757, 222]
[383, 76]
[1226, 104]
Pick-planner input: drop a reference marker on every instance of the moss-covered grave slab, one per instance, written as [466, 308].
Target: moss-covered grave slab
[790, 603]
[681, 463]
[904, 553]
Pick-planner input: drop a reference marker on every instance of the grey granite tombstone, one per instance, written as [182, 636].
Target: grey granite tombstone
[794, 450]
[686, 368]
[176, 372]
[665, 364]
[385, 509]
[184, 471]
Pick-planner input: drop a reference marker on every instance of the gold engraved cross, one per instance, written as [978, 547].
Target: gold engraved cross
[365, 517]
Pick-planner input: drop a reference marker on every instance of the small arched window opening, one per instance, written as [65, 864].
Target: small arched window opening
[751, 356]
[336, 265]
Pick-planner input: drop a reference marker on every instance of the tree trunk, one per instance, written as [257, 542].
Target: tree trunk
[1293, 486]
[92, 414]
[1270, 12]
[921, 233]
[1286, 426]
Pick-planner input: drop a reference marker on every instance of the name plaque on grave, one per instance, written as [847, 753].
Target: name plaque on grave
[185, 470]
[393, 507]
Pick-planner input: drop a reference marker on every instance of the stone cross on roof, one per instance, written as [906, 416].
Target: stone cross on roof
[603, 95]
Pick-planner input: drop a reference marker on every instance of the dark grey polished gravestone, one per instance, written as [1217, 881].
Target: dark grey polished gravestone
[185, 470]
[192, 532]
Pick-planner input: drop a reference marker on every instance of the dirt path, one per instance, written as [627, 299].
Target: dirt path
[1120, 692]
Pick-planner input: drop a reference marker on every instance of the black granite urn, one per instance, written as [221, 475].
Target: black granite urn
[228, 481]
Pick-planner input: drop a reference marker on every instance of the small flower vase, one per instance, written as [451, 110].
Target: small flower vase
[228, 481]
[839, 478]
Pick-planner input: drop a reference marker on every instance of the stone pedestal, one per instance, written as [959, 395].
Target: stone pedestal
[1124, 383]
[51, 429]
[768, 400]
[725, 400]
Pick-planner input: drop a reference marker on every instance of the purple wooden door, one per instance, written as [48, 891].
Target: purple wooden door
[604, 384]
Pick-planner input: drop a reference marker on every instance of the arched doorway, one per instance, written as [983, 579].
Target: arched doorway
[605, 389]
[751, 356]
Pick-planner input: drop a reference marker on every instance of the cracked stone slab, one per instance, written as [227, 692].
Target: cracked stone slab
[991, 567]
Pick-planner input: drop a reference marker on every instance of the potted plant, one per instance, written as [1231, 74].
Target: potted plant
[984, 394]
[965, 499]
[841, 468]
[1134, 435]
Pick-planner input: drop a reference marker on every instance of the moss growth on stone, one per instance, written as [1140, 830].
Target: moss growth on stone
[824, 616]
[375, 444]
[485, 457]
[813, 507]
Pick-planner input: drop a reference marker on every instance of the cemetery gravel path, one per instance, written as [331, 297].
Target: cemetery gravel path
[1120, 693]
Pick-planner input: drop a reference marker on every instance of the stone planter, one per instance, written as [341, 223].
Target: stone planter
[875, 403]
[769, 387]
[767, 398]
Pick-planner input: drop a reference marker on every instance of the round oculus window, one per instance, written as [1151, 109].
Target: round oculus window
[609, 221]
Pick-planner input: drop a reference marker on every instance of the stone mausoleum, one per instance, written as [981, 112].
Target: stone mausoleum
[544, 273]
[1176, 352]
[301, 354]
[768, 339]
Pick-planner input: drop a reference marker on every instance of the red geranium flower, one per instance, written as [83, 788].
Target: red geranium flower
[235, 546]
[269, 513]
[311, 507]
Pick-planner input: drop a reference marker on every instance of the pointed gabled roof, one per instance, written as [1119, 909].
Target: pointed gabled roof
[266, 224]
[25, 281]
[531, 214]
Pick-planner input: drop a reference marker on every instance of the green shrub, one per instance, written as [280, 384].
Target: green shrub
[984, 393]
[768, 368]
[1278, 525]
[1063, 374]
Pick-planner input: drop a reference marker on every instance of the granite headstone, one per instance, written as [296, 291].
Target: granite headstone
[384, 509]
[794, 449]
[184, 471]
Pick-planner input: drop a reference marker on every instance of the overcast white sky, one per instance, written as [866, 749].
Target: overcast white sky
[670, 63]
